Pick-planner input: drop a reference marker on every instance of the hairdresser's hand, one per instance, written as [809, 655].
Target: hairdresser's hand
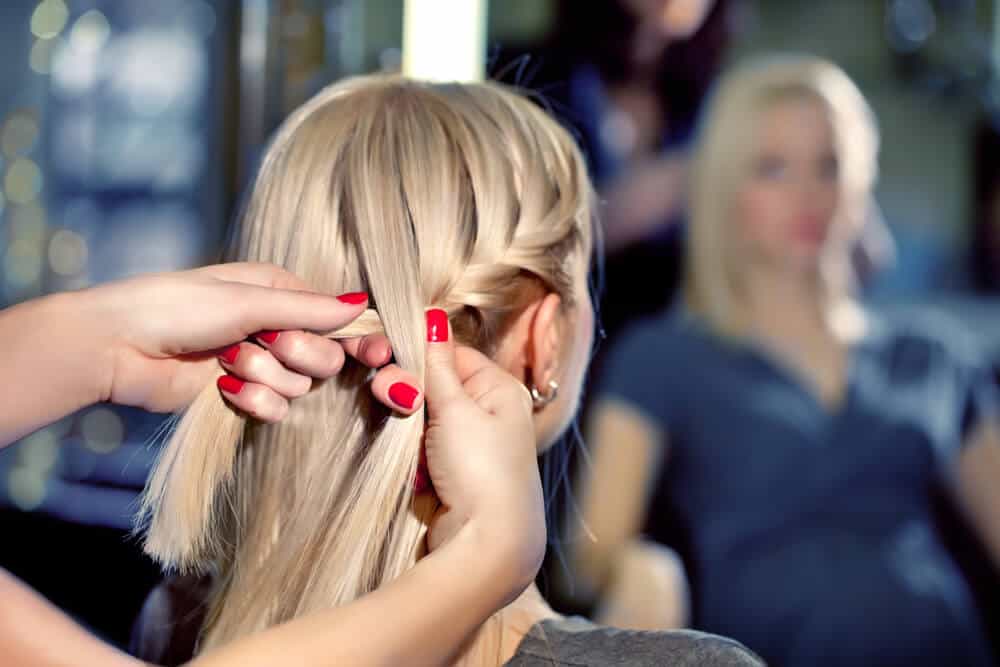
[170, 332]
[482, 455]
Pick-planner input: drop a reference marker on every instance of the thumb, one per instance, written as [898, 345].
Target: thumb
[441, 382]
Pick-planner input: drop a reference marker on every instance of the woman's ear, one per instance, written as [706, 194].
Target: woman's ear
[531, 345]
[544, 344]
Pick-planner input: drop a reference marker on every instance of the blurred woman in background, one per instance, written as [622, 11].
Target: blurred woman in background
[794, 438]
[628, 77]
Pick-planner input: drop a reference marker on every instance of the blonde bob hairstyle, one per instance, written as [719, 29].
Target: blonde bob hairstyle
[723, 155]
[458, 196]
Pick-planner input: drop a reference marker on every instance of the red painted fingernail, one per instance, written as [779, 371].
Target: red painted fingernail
[403, 395]
[230, 384]
[230, 353]
[353, 298]
[422, 480]
[437, 326]
[268, 336]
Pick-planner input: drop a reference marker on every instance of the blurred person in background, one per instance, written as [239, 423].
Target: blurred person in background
[628, 77]
[783, 440]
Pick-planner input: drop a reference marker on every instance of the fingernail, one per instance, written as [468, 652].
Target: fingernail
[353, 298]
[268, 336]
[230, 353]
[403, 395]
[230, 384]
[422, 480]
[437, 326]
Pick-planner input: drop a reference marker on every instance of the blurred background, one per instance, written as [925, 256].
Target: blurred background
[128, 130]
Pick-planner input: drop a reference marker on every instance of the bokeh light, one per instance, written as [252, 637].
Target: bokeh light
[39, 451]
[27, 223]
[49, 18]
[23, 181]
[26, 487]
[40, 58]
[22, 263]
[90, 32]
[102, 430]
[152, 70]
[67, 253]
[74, 72]
[20, 133]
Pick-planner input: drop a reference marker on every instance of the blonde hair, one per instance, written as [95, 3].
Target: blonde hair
[452, 196]
[721, 160]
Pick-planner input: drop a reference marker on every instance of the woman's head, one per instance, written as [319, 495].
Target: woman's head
[462, 197]
[782, 174]
[670, 19]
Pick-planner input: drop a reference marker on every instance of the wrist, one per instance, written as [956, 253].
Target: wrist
[75, 318]
[507, 556]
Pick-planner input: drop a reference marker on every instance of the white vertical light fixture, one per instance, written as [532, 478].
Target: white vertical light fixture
[444, 40]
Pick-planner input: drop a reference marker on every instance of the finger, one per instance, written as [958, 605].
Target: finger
[398, 389]
[256, 400]
[254, 364]
[469, 361]
[255, 273]
[497, 391]
[441, 382]
[272, 309]
[304, 352]
[373, 350]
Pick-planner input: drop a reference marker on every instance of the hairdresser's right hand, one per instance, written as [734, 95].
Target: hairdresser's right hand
[482, 455]
[169, 333]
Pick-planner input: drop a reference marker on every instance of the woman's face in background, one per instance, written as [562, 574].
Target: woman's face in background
[672, 19]
[791, 192]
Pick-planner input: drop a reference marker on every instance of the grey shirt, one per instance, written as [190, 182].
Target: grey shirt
[576, 642]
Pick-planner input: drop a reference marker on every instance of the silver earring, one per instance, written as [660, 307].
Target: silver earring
[538, 399]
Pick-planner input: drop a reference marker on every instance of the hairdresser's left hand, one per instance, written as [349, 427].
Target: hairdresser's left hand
[170, 332]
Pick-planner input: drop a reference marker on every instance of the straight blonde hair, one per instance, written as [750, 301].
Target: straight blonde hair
[451, 196]
[721, 161]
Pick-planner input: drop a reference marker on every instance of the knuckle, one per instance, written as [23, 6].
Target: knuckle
[293, 347]
[335, 360]
[255, 363]
[300, 386]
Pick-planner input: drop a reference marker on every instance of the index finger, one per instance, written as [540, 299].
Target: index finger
[373, 350]
[269, 308]
[261, 274]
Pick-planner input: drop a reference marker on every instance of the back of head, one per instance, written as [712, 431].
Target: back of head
[452, 196]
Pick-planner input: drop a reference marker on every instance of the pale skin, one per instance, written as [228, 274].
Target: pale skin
[783, 216]
[152, 342]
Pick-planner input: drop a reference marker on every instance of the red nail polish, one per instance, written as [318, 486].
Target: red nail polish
[230, 384]
[353, 298]
[403, 395]
[230, 353]
[268, 336]
[422, 480]
[437, 326]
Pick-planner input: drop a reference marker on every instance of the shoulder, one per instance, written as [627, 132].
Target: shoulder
[663, 338]
[578, 642]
